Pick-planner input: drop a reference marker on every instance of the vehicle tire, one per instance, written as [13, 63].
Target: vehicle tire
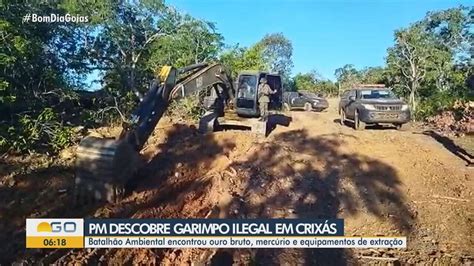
[308, 107]
[286, 107]
[399, 126]
[343, 117]
[358, 125]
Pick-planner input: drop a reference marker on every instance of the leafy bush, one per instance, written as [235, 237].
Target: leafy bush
[30, 134]
[107, 110]
[434, 104]
[61, 138]
[186, 109]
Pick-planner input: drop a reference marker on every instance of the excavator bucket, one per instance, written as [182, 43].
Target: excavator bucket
[103, 167]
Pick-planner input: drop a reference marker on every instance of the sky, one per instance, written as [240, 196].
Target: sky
[325, 34]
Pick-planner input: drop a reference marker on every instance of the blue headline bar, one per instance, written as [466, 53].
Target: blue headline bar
[213, 227]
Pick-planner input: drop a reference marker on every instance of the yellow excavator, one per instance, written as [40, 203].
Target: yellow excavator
[104, 166]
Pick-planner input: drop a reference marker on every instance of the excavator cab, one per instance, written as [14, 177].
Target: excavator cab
[247, 92]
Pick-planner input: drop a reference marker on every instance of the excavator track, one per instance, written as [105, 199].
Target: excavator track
[103, 167]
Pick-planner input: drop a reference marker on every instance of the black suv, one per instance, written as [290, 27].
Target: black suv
[373, 106]
[309, 101]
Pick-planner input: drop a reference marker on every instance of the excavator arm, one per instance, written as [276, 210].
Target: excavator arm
[104, 166]
[193, 79]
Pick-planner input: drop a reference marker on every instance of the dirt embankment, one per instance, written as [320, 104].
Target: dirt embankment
[381, 181]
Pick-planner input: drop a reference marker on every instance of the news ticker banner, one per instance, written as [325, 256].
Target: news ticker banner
[198, 233]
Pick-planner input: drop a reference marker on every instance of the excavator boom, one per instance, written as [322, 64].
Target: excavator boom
[104, 166]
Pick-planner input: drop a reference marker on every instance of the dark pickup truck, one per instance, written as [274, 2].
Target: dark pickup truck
[308, 101]
[373, 106]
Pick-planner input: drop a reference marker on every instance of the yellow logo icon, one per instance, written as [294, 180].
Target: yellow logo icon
[44, 227]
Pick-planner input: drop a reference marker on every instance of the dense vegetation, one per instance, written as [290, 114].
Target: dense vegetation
[44, 67]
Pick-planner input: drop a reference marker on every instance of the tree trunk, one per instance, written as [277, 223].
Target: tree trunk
[412, 99]
[132, 79]
[132, 82]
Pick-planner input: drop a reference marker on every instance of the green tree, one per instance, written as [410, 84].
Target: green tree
[194, 41]
[347, 76]
[239, 58]
[373, 75]
[307, 81]
[124, 42]
[408, 60]
[37, 59]
[453, 33]
[314, 82]
[452, 28]
[40, 65]
[277, 53]
[428, 60]
[272, 53]
[327, 87]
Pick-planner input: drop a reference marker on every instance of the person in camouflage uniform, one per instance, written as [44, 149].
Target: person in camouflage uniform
[264, 92]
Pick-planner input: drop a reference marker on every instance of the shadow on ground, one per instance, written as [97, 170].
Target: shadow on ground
[275, 120]
[299, 176]
[29, 191]
[174, 174]
[294, 175]
[378, 127]
[173, 184]
[171, 180]
[452, 147]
